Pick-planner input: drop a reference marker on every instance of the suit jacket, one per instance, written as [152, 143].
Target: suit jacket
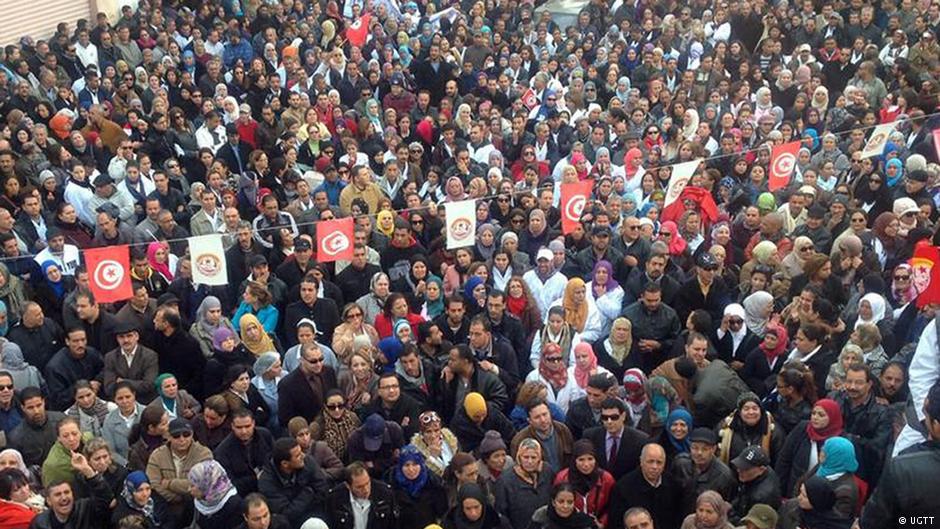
[295, 397]
[628, 452]
[227, 154]
[725, 344]
[141, 373]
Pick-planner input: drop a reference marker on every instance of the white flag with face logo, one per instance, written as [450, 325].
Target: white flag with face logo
[208, 260]
[461, 223]
[879, 138]
[681, 174]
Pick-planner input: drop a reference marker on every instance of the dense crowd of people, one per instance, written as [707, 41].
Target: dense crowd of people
[730, 354]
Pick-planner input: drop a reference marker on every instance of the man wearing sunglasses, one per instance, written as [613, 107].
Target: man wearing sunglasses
[735, 340]
[169, 465]
[618, 445]
[302, 392]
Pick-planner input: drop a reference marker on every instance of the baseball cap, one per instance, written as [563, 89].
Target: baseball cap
[816, 212]
[178, 426]
[918, 175]
[704, 435]
[231, 129]
[257, 260]
[103, 179]
[245, 108]
[600, 230]
[706, 261]
[808, 190]
[763, 516]
[302, 244]
[752, 456]
[544, 253]
[373, 432]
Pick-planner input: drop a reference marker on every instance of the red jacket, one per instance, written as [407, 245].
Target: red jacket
[383, 325]
[595, 501]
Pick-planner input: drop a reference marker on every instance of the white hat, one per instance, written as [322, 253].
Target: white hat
[544, 253]
[905, 205]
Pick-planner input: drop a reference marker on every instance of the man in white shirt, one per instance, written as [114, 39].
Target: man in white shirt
[211, 135]
[66, 256]
[545, 283]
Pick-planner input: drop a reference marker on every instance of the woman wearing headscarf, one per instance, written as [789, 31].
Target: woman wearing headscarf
[580, 311]
[13, 362]
[711, 512]
[433, 298]
[521, 492]
[585, 366]
[590, 483]
[536, 235]
[614, 352]
[336, 423]
[218, 505]
[175, 401]
[486, 242]
[838, 466]
[561, 511]
[749, 424]
[137, 499]
[253, 335]
[209, 318]
[763, 363]
[886, 242]
[555, 331]
[873, 310]
[606, 293]
[792, 264]
[474, 295]
[50, 290]
[240, 393]
[268, 374]
[801, 450]
[12, 295]
[817, 506]
[227, 351]
[454, 190]
[473, 510]
[435, 442]
[675, 436]
[160, 266]
[903, 290]
[371, 304]
[870, 340]
[421, 497]
[757, 310]
[552, 372]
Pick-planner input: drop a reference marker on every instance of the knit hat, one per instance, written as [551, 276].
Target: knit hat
[556, 246]
[748, 396]
[314, 523]
[491, 442]
[265, 362]
[361, 341]
[474, 404]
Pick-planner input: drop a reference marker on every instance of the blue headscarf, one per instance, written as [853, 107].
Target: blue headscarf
[894, 162]
[391, 348]
[811, 133]
[58, 287]
[468, 287]
[410, 454]
[6, 321]
[679, 414]
[840, 457]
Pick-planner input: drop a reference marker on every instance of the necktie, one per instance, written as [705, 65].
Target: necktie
[613, 450]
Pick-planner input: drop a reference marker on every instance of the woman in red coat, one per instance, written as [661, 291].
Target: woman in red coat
[592, 483]
[396, 308]
[14, 493]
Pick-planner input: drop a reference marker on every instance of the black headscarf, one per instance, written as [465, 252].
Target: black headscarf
[823, 499]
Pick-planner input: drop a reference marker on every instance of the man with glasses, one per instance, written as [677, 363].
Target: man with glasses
[302, 392]
[10, 414]
[617, 445]
[393, 405]
[169, 465]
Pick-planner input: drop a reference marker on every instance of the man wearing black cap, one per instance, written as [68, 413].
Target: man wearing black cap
[815, 229]
[757, 482]
[376, 444]
[107, 193]
[399, 98]
[235, 151]
[710, 472]
[296, 266]
[909, 484]
[600, 250]
[585, 413]
[130, 362]
[704, 291]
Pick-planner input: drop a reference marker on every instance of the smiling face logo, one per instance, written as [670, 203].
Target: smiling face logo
[209, 265]
[461, 228]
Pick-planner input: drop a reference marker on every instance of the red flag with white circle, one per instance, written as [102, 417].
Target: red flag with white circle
[782, 164]
[335, 240]
[574, 197]
[109, 273]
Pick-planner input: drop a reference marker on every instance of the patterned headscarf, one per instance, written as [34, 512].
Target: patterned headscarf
[211, 480]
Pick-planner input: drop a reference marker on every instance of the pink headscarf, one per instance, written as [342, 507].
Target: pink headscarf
[581, 376]
[677, 244]
[161, 268]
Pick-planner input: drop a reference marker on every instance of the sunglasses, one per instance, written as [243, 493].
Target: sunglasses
[896, 278]
[735, 321]
[6, 386]
[314, 360]
[665, 233]
[335, 406]
[553, 359]
[503, 200]
[353, 316]
[182, 434]
[608, 418]
[417, 221]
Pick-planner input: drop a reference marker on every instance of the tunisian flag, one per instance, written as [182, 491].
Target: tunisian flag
[109, 273]
[926, 273]
[574, 197]
[358, 32]
[782, 163]
[335, 240]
